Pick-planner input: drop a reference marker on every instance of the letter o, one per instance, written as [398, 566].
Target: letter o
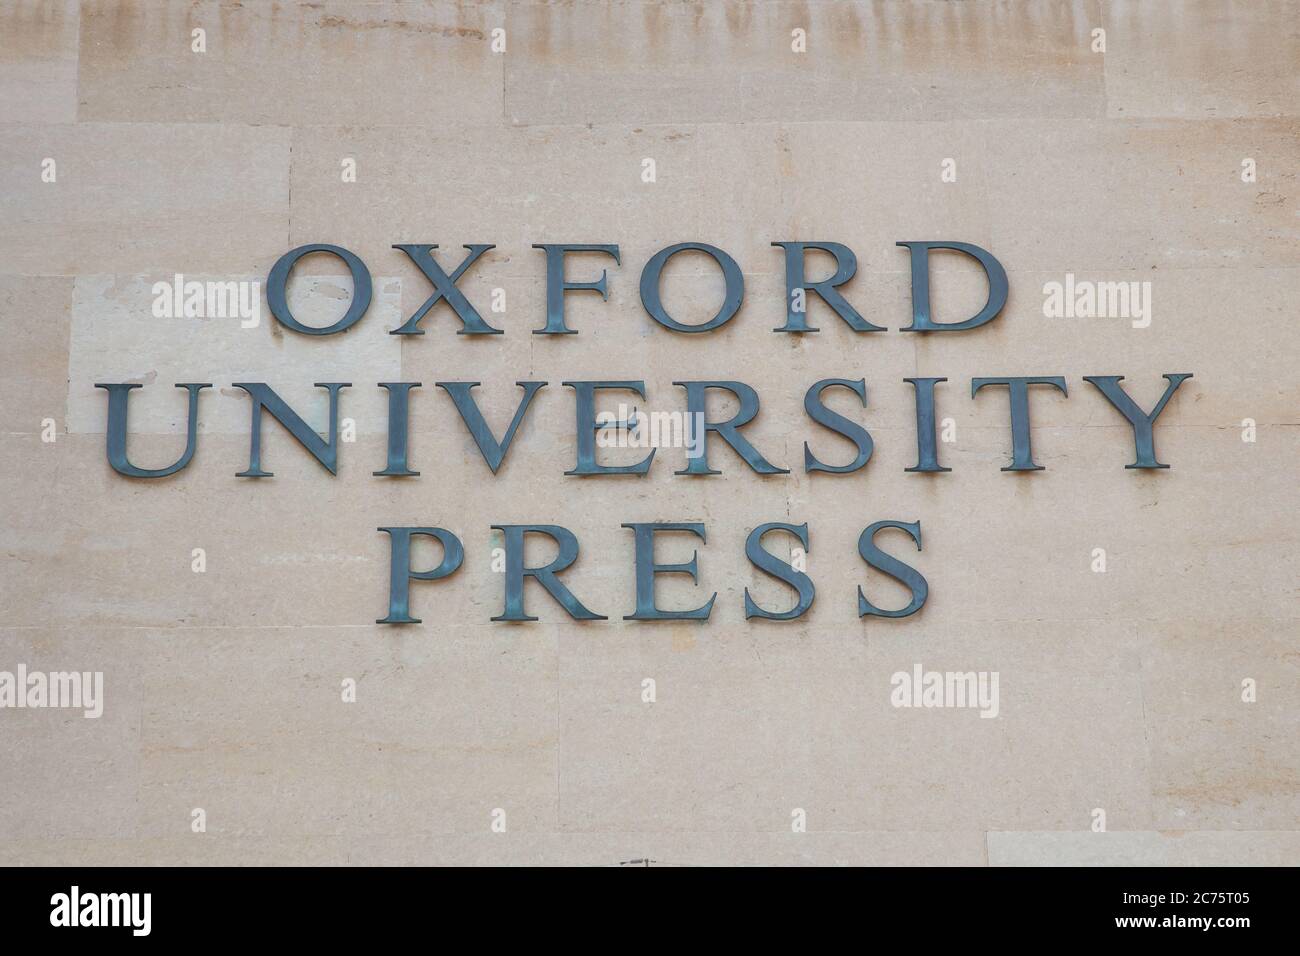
[653, 305]
[278, 280]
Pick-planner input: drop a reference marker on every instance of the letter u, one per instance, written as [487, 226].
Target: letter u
[117, 431]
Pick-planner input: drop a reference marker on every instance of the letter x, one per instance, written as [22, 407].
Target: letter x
[445, 286]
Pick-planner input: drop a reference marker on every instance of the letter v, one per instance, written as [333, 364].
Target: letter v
[492, 451]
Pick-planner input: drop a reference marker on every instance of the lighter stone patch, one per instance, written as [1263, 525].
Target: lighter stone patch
[116, 338]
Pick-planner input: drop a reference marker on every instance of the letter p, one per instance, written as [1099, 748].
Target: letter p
[401, 574]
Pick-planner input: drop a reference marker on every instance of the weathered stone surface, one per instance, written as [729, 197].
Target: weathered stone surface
[324, 63]
[1129, 615]
[1145, 848]
[38, 62]
[1202, 59]
[34, 378]
[132, 198]
[1142, 194]
[735, 62]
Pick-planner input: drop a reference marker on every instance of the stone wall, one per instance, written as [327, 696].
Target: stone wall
[228, 614]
